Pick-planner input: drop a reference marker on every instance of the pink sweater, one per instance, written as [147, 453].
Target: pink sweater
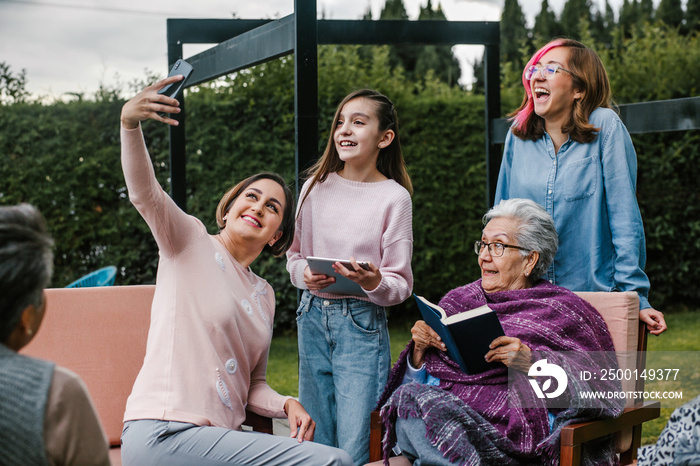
[211, 319]
[369, 221]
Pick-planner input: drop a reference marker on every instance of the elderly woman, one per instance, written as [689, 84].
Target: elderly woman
[43, 407]
[450, 417]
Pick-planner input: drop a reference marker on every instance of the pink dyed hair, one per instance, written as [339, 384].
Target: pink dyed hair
[523, 116]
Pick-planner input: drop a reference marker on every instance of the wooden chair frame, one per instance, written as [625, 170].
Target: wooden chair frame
[574, 436]
[258, 422]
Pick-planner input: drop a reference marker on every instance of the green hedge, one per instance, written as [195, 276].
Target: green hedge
[64, 158]
[669, 198]
[446, 161]
[658, 63]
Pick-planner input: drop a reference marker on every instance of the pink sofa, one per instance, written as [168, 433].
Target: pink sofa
[100, 334]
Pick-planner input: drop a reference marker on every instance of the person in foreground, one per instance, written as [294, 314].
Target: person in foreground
[569, 151]
[46, 414]
[679, 442]
[211, 321]
[450, 417]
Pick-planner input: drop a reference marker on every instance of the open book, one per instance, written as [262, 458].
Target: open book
[467, 335]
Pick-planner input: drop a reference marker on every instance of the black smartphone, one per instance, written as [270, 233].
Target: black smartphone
[175, 89]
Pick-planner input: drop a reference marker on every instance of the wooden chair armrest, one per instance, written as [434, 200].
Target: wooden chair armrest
[376, 429]
[258, 422]
[574, 435]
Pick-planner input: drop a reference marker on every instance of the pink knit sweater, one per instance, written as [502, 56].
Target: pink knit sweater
[369, 221]
[211, 319]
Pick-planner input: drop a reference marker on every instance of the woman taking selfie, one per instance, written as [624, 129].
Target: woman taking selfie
[211, 321]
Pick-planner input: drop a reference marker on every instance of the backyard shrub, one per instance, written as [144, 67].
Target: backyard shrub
[64, 158]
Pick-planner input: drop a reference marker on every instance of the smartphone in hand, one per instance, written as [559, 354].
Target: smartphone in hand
[175, 89]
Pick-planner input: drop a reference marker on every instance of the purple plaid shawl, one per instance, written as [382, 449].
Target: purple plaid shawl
[471, 418]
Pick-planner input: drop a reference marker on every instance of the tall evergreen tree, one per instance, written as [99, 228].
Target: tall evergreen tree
[427, 12]
[598, 29]
[574, 11]
[514, 36]
[645, 12]
[514, 32]
[416, 60]
[546, 25]
[438, 58]
[603, 25]
[479, 84]
[401, 55]
[629, 16]
[609, 16]
[692, 15]
[670, 12]
[393, 9]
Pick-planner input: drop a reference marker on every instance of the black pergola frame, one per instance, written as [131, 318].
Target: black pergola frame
[243, 43]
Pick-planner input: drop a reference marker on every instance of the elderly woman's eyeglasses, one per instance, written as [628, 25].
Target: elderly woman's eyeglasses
[547, 71]
[495, 249]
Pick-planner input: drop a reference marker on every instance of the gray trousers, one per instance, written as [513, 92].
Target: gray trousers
[152, 442]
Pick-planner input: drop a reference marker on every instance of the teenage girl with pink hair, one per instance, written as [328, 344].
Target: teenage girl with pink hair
[569, 151]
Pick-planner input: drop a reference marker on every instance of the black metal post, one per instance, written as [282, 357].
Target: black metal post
[305, 86]
[178, 160]
[245, 43]
[492, 79]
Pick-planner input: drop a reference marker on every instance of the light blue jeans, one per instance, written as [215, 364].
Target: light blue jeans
[411, 438]
[150, 442]
[344, 359]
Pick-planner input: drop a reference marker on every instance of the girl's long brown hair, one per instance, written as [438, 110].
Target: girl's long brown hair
[390, 161]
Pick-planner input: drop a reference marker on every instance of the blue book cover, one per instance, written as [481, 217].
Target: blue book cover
[466, 335]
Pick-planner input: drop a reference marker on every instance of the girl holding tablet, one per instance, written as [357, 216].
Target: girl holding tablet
[356, 204]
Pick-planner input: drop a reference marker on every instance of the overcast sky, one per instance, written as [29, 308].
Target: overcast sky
[74, 45]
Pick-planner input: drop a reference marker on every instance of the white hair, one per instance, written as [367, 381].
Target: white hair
[535, 230]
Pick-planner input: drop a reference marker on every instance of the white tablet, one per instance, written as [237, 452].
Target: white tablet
[342, 285]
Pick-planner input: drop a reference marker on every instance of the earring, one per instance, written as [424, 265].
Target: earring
[527, 274]
[29, 332]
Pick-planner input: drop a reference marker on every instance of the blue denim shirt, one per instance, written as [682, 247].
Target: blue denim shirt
[590, 191]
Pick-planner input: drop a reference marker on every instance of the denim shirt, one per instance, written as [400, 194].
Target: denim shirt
[590, 191]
